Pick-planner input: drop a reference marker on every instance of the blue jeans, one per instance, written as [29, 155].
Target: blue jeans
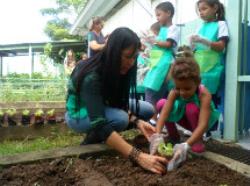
[117, 118]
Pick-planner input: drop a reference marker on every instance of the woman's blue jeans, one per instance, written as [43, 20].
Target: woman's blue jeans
[117, 118]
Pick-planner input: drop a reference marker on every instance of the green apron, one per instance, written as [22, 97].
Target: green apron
[209, 60]
[179, 107]
[159, 62]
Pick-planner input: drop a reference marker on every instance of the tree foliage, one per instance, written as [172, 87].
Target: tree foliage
[58, 27]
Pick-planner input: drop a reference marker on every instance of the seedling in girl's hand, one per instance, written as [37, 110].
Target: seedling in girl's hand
[165, 150]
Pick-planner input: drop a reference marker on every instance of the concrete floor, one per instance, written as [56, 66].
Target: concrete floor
[245, 142]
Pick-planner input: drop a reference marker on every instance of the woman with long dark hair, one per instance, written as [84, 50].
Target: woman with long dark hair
[101, 93]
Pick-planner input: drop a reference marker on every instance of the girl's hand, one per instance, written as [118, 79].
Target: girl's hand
[155, 140]
[147, 129]
[180, 155]
[152, 163]
[198, 39]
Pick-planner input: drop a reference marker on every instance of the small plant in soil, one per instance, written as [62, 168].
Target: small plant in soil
[25, 117]
[165, 150]
[51, 116]
[39, 117]
[11, 114]
[1, 118]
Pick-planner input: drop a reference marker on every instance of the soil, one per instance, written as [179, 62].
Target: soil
[114, 170]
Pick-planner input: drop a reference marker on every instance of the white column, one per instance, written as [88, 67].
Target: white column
[234, 18]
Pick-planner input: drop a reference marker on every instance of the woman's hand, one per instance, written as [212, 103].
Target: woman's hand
[152, 163]
[147, 129]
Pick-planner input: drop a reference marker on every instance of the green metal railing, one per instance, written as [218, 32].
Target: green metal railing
[13, 89]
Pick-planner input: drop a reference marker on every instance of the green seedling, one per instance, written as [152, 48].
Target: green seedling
[51, 112]
[39, 113]
[165, 149]
[11, 112]
[26, 112]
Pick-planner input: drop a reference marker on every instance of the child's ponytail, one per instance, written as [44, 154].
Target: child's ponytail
[221, 12]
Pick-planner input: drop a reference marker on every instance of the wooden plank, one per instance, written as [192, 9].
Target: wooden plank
[31, 132]
[34, 105]
[75, 151]
[228, 162]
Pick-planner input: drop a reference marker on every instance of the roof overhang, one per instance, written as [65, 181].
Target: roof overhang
[93, 8]
[22, 49]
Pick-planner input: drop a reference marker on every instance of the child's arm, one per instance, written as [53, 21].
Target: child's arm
[166, 110]
[157, 138]
[172, 40]
[205, 110]
[218, 46]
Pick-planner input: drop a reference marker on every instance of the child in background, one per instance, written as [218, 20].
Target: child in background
[189, 104]
[84, 56]
[69, 62]
[210, 42]
[143, 57]
[148, 37]
[161, 55]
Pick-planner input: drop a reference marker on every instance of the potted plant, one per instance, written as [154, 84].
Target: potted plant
[1, 118]
[25, 117]
[39, 117]
[11, 114]
[51, 116]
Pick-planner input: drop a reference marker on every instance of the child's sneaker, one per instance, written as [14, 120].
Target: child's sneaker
[198, 147]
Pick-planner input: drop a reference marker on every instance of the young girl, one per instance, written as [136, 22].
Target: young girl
[210, 42]
[69, 62]
[189, 104]
[143, 57]
[161, 55]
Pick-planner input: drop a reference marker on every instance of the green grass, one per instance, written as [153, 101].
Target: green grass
[10, 147]
[56, 140]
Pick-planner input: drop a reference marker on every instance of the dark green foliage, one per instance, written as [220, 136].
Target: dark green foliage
[59, 26]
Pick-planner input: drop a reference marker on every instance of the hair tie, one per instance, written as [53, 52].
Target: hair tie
[180, 54]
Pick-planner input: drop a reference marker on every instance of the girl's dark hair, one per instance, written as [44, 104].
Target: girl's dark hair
[185, 66]
[115, 88]
[166, 6]
[220, 14]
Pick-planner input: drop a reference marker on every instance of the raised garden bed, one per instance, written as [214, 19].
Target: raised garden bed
[97, 165]
[115, 170]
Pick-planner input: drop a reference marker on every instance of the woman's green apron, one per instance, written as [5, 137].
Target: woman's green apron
[159, 63]
[209, 60]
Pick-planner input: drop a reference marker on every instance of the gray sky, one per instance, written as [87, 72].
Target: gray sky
[21, 21]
